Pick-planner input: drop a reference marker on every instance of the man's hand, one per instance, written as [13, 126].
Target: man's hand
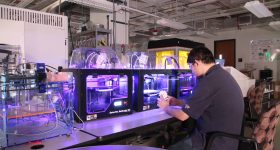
[175, 112]
[162, 104]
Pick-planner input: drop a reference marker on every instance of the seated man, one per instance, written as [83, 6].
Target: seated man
[216, 104]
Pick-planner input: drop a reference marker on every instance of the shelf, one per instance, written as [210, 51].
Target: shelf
[92, 32]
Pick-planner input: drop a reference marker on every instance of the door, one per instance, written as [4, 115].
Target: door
[226, 48]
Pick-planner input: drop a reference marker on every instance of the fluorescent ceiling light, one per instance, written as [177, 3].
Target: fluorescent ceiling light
[171, 24]
[275, 25]
[258, 9]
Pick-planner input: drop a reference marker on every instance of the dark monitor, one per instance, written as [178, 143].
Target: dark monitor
[266, 74]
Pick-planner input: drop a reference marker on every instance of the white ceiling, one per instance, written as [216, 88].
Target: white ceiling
[203, 16]
[208, 16]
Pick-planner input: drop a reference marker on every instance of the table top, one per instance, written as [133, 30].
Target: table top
[97, 130]
[117, 147]
[77, 137]
[119, 125]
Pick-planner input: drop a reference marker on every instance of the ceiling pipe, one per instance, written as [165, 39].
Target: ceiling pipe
[12, 2]
[201, 3]
[57, 3]
[40, 4]
[140, 11]
[170, 2]
[102, 4]
[226, 13]
[232, 9]
[24, 3]
[182, 6]
[52, 6]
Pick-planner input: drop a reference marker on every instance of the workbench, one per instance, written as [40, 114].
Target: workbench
[94, 132]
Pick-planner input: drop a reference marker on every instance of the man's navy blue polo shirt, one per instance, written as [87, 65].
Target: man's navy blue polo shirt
[217, 105]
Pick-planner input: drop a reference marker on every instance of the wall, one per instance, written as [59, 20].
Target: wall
[12, 33]
[46, 44]
[243, 38]
[39, 43]
[42, 36]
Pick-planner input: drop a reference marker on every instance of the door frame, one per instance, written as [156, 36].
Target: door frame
[233, 47]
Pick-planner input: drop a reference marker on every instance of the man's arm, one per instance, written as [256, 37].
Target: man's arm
[175, 102]
[172, 111]
[177, 113]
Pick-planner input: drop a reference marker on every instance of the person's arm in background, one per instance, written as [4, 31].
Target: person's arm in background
[164, 104]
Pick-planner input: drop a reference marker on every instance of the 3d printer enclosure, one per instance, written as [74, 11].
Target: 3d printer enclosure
[80, 93]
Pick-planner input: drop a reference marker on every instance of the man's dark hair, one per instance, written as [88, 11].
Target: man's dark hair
[201, 53]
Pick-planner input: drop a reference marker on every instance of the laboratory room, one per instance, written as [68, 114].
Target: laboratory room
[140, 74]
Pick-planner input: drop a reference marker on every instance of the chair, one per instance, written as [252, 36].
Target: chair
[263, 135]
[254, 104]
[255, 97]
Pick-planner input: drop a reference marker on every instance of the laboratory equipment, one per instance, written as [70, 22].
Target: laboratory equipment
[140, 60]
[31, 108]
[185, 83]
[90, 58]
[101, 92]
[147, 84]
[242, 80]
[171, 48]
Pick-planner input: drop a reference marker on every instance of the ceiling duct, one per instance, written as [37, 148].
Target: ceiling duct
[171, 24]
[200, 24]
[201, 3]
[245, 19]
[99, 4]
[23, 4]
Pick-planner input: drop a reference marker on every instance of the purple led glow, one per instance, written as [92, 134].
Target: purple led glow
[109, 83]
[186, 88]
[104, 90]
[151, 91]
[92, 84]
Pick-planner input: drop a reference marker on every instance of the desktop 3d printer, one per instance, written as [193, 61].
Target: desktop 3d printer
[147, 83]
[99, 90]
